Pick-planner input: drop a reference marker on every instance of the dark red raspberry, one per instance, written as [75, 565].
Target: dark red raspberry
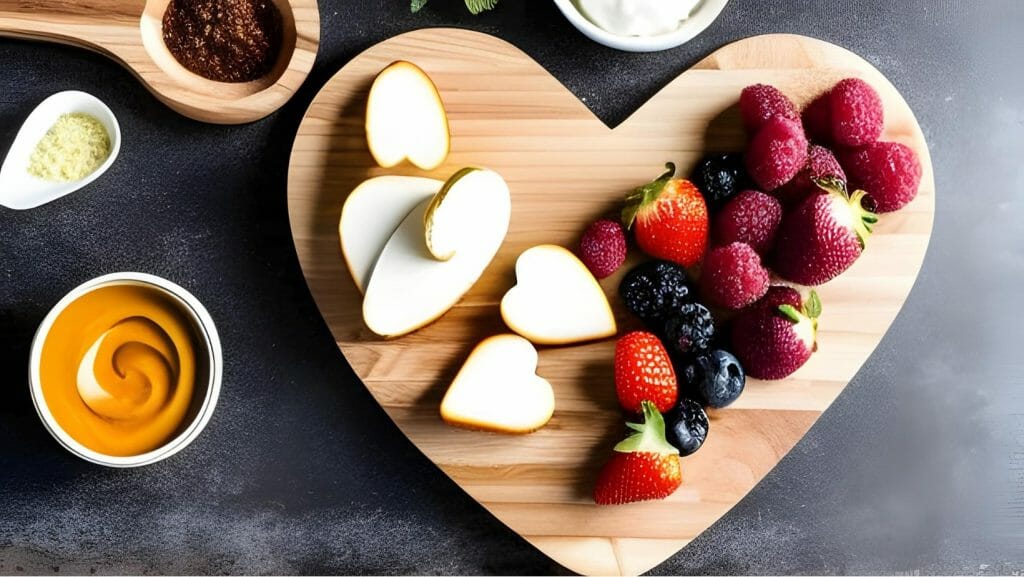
[776, 153]
[856, 113]
[817, 121]
[751, 217]
[889, 172]
[603, 247]
[821, 163]
[733, 277]
[760, 102]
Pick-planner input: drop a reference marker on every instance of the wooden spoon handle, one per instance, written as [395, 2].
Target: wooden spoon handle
[95, 24]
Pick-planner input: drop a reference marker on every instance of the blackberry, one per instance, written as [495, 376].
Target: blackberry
[720, 177]
[686, 426]
[689, 330]
[717, 377]
[655, 289]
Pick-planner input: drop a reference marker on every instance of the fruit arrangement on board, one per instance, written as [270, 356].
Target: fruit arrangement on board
[722, 289]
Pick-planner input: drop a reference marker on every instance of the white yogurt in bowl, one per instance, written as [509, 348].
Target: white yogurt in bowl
[641, 25]
[637, 17]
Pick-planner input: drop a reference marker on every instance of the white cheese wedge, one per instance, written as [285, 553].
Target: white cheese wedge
[557, 301]
[409, 288]
[372, 213]
[498, 389]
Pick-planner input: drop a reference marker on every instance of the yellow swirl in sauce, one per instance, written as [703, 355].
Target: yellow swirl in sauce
[117, 369]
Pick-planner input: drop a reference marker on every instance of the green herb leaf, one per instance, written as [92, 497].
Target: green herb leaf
[417, 4]
[790, 313]
[813, 305]
[478, 6]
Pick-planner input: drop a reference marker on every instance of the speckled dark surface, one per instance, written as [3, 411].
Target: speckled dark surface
[917, 467]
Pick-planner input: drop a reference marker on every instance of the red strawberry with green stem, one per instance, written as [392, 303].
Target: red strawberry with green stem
[644, 466]
[777, 334]
[823, 235]
[643, 372]
[669, 218]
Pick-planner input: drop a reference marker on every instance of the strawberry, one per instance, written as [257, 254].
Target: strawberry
[777, 334]
[822, 236]
[644, 466]
[671, 219]
[643, 372]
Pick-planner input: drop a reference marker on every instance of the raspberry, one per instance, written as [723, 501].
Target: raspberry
[889, 172]
[817, 120]
[856, 113]
[821, 163]
[760, 102]
[603, 247]
[776, 153]
[733, 276]
[752, 217]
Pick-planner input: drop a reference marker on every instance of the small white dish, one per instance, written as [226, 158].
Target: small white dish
[19, 189]
[702, 16]
[210, 366]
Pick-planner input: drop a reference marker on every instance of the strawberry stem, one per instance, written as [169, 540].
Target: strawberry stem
[863, 219]
[649, 436]
[642, 196]
[790, 313]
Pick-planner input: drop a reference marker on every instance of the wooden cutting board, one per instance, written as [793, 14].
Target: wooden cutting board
[565, 169]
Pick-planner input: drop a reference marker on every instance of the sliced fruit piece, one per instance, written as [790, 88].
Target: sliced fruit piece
[449, 220]
[372, 212]
[405, 118]
[644, 466]
[556, 301]
[497, 389]
[409, 288]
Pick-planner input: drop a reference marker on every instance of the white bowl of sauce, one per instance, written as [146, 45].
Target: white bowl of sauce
[641, 25]
[126, 370]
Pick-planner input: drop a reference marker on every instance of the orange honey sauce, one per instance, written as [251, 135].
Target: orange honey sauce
[118, 369]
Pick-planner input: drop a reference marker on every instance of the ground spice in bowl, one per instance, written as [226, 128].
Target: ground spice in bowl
[72, 149]
[224, 40]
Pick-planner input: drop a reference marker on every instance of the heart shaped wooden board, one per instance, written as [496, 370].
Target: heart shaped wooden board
[565, 169]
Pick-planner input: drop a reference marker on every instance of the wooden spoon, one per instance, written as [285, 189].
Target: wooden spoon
[131, 32]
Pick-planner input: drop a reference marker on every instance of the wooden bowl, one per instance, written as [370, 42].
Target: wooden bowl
[131, 32]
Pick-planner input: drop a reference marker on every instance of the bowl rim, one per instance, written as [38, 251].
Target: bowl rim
[703, 15]
[209, 339]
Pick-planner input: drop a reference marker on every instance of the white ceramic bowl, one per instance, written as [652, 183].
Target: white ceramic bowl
[19, 189]
[702, 16]
[208, 374]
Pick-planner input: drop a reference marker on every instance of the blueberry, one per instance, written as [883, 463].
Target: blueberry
[717, 377]
[655, 288]
[720, 177]
[689, 330]
[686, 426]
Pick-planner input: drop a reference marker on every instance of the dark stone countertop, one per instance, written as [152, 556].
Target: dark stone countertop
[917, 467]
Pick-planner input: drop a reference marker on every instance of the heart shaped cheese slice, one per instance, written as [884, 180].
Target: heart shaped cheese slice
[498, 389]
[556, 301]
[371, 214]
[409, 288]
[405, 118]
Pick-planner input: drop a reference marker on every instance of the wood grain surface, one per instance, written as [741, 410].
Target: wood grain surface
[130, 32]
[566, 168]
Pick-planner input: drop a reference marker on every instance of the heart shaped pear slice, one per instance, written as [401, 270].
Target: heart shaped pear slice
[372, 213]
[405, 118]
[498, 389]
[409, 288]
[557, 301]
